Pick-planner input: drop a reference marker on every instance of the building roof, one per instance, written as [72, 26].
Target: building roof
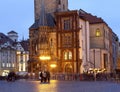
[89, 17]
[4, 39]
[44, 19]
[50, 22]
[12, 32]
[25, 44]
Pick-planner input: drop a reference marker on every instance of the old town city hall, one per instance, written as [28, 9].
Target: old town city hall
[69, 41]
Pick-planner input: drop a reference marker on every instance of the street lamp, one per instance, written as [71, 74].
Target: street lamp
[53, 66]
[44, 57]
[94, 58]
[94, 70]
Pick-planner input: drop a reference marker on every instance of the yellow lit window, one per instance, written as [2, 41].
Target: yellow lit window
[68, 55]
[98, 33]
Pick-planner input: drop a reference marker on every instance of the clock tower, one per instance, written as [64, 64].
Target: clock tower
[51, 6]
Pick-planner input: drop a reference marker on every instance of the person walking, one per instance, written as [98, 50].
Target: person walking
[41, 76]
[48, 76]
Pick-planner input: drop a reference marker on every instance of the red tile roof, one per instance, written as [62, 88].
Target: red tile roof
[89, 17]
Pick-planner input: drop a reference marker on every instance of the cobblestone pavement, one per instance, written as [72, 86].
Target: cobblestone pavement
[59, 86]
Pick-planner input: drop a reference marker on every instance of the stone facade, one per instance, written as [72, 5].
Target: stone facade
[101, 45]
[7, 55]
[13, 54]
[51, 6]
[22, 55]
[75, 40]
[65, 42]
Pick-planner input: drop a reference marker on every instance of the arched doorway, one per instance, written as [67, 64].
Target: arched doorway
[68, 68]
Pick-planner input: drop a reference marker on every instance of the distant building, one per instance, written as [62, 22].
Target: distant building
[13, 36]
[14, 55]
[22, 55]
[118, 59]
[7, 55]
[115, 52]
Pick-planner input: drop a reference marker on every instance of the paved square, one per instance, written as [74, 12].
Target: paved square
[59, 86]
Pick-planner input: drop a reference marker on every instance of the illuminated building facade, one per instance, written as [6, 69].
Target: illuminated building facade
[62, 36]
[7, 55]
[22, 55]
[71, 41]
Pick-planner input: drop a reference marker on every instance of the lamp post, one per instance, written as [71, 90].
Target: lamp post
[94, 66]
[94, 57]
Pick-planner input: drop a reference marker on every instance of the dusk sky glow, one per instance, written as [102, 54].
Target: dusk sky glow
[18, 15]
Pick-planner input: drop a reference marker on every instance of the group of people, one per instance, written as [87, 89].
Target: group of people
[11, 76]
[44, 76]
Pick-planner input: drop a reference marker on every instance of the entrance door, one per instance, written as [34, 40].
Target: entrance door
[68, 69]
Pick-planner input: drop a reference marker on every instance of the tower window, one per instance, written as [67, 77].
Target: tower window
[63, 7]
[66, 24]
[59, 2]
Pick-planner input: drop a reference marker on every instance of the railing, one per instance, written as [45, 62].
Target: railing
[86, 77]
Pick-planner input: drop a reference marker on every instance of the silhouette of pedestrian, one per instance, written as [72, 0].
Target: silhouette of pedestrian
[48, 76]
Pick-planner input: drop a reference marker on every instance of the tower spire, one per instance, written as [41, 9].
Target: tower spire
[43, 17]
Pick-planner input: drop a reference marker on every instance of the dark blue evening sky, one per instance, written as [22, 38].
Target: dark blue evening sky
[18, 15]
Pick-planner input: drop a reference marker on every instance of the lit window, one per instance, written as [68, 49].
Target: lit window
[3, 64]
[7, 65]
[18, 52]
[65, 56]
[68, 55]
[98, 32]
[13, 65]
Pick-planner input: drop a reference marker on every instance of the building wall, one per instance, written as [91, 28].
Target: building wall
[51, 6]
[101, 43]
[79, 45]
[115, 51]
[84, 44]
[7, 60]
[96, 42]
[22, 59]
[43, 43]
[118, 59]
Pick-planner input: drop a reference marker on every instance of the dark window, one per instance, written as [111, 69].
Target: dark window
[63, 7]
[66, 24]
[105, 60]
[59, 2]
